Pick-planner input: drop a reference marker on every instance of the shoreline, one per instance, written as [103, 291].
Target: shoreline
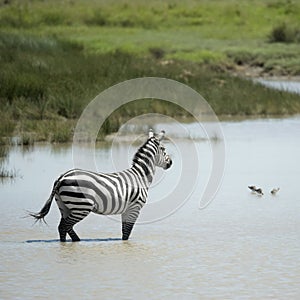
[16, 140]
[250, 72]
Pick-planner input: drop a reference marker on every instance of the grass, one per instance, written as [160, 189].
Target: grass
[7, 174]
[4, 172]
[194, 30]
[56, 56]
[283, 33]
[48, 94]
[232, 14]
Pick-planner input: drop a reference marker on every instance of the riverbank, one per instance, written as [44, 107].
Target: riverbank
[48, 83]
[57, 57]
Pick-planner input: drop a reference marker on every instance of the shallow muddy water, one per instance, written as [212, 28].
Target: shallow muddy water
[241, 246]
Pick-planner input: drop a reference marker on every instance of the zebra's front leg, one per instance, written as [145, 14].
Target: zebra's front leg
[128, 220]
[126, 230]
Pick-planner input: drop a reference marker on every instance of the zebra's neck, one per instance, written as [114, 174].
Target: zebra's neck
[144, 172]
[143, 161]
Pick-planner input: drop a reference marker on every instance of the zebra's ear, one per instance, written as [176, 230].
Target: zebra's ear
[161, 135]
[151, 133]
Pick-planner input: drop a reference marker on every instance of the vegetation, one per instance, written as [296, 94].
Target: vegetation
[6, 174]
[56, 56]
[284, 33]
[202, 31]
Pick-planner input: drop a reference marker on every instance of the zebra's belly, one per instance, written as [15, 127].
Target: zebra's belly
[109, 206]
[106, 213]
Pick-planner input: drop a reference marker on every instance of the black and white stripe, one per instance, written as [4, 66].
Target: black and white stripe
[79, 192]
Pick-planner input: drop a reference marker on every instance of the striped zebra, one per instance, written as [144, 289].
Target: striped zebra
[79, 192]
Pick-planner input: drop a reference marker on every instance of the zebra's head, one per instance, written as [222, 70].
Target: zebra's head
[150, 155]
[162, 159]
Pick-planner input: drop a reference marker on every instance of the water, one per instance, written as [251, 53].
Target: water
[289, 86]
[242, 246]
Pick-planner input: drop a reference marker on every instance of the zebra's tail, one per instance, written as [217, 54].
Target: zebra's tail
[45, 209]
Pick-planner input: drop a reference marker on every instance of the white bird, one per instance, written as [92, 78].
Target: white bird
[274, 191]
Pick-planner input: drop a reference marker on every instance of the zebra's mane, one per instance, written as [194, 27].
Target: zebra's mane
[140, 151]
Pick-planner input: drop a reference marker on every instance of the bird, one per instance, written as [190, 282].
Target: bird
[254, 189]
[274, 191]
[259, 191]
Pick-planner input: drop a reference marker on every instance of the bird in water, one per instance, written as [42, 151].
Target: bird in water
[254, 189]
[274, 191]
[259, 191]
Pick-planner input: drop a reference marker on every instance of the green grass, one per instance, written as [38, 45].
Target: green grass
[46, 83]
[58, 55]
[208, 15]
[284, 33]
[201, 31]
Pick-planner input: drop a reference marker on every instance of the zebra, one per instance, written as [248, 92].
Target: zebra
[79, 192]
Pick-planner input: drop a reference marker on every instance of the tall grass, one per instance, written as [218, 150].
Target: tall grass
[7, 174]
[46, 83]
[7, 126]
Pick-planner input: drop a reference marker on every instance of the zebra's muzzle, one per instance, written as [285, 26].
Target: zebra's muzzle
[168, 164]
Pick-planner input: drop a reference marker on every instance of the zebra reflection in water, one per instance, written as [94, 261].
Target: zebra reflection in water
[79, 192]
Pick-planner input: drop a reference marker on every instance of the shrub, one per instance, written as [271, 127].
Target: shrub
[284, 33]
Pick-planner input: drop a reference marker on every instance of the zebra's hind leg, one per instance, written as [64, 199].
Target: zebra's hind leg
[73, 219]
[62, 229]
[70, 221]
[73, 210]
[66, 226]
